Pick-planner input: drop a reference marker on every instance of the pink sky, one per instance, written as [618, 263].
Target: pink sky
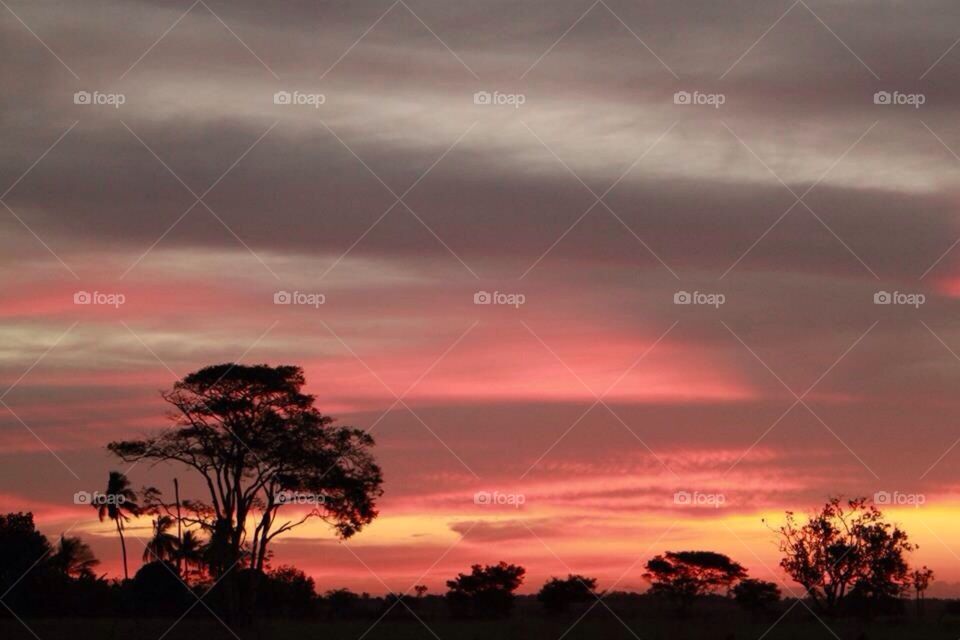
[400, 199]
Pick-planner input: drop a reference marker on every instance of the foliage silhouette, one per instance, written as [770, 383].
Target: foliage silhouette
[684, 576]
[190, 553]
[287, 591]
[118, 503]
[73, 558]
[920, 580]
[162, 545]
[557, 595]
[342, 602]
[255, 439]
[756, 596]
[487, 591]
[158, 590]
[846, 552]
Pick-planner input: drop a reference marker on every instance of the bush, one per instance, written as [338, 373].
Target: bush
[756, 595]
[158, 590]
[557, 595]
[485, 591]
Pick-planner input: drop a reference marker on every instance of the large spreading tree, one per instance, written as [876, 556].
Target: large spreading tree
[846, 550]
[686, 575]
[255, 439]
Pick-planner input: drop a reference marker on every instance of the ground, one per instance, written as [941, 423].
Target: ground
[601, 627]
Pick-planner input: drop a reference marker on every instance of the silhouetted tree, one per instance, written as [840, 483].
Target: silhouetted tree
[158, 590]
[190, 554]
[254, 437]
[486, 590]
[342, 602]
[845, 549]
[21, 546]
[756, 595]
[73, 558]
[920, 580]
[118, 503]
[421, 590]
[23, 551]
[684, 576]
[287, 591]
[558, 594]
[163, 544]
[295, 579]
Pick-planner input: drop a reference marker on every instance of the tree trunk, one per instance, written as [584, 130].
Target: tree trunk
[123, 550]
[176, 493]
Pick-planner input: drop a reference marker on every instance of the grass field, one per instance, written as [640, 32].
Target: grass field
[600, 627]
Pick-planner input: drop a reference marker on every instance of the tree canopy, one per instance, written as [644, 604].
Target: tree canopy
[558, 594]
[845, 549]
[686, 575]
[486, 590]
[255, 439]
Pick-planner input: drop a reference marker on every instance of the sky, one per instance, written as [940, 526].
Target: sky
[502, 281]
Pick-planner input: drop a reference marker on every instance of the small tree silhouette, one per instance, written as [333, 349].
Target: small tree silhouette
[73, 558]
[920, 580]
[558, 594]
[163, 545]
[756, 596]
[118, 504]
[190, 553]
[486, 590]
[683, 576]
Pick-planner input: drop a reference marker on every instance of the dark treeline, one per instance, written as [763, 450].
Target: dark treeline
[62, 581]
[260, 447]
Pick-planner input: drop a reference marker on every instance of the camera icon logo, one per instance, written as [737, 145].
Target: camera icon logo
[282, 297]
[481, 497]
[682, 297]
[82, 497]
[882, 297]
[682, 97]
[882, 497]
[82, 297]
[482, 97]
[882, 97]
[682, 497]
[282, 97]
[482, 297]
[82, 97]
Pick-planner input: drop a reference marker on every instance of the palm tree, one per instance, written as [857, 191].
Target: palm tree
[74, 558]
[163, 545]
[118, 504]
[190, 552]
